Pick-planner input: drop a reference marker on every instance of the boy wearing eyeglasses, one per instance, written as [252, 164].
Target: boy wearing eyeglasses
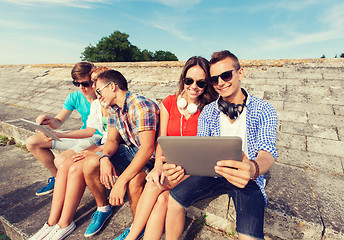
[74, 141]
[235, 113]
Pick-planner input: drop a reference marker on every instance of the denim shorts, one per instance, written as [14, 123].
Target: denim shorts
[123, 157]
[249, 201]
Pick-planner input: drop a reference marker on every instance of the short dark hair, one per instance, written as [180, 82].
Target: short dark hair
[219, 56]
[209, 93]
[115, 77]
[81, 70]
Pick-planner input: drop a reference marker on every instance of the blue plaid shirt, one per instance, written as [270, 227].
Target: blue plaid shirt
[261, 123]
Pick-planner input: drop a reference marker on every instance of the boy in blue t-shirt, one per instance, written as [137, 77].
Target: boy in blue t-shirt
[72, 141]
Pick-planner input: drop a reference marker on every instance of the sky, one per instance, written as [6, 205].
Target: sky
[57, 31]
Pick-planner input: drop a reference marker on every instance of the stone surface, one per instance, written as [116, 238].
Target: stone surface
[309, 100]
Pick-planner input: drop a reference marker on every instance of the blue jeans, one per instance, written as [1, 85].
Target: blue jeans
[249, 201]
[123, 157]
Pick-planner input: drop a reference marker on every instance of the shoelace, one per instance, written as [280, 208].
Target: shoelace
[94, 217]
[50, 179]
[53, 232]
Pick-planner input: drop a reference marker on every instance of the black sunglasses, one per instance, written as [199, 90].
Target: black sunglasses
[199, 83]
[84, 84]
[225, 76]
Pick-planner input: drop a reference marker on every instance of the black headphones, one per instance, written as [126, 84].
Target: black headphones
[232, 110]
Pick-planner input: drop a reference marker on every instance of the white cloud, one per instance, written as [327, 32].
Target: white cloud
[167, 24]
[69, 3]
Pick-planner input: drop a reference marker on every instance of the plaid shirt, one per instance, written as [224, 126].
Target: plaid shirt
[261, 122]
[138, 114]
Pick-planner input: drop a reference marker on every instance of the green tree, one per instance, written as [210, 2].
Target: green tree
[117, 48]
[342, 55]
[323, 56]
[164, 56]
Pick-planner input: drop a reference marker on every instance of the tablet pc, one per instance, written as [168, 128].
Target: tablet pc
[35, 126]
[198, 155]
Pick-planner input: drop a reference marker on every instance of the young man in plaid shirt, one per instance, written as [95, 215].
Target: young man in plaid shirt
[128, 151]
[235, 113]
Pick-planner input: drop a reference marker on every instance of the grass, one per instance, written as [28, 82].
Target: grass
[202, 219]
[3, 236]
[10, 141]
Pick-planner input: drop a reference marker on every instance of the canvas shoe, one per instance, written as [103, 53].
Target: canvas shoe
[47, 189]
[42, 233]
[98, 220]
[58, 233]
[126, 232]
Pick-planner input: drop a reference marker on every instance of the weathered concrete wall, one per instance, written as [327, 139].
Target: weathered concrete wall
[307, 95]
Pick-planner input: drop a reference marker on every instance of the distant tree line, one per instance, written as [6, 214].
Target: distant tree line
[117, 48]
[341, 56]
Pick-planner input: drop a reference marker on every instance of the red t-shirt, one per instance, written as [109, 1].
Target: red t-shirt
[189, 126]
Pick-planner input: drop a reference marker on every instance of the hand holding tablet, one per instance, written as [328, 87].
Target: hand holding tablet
[35, 126]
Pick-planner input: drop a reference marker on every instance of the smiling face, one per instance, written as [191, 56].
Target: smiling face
[86, 91]
[228, 90]
[106, 91]
[192, 92]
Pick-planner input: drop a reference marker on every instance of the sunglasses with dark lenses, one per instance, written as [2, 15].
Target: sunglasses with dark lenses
[199, 83]
[84, 84]
[225, 76]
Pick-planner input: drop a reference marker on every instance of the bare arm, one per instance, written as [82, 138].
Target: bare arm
[155, 174]
[81, 133]
[107, 170]
[54, 122]
[147, 140]
[240, 173]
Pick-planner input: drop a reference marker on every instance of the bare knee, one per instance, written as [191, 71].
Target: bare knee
[33, 142]
[91, 165]
[136, 183]
[162, 200]
[75, 170]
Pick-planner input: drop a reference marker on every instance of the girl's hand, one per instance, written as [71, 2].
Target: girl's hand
[82, 155]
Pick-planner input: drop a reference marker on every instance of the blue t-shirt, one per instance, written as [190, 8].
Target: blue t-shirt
[77, 101]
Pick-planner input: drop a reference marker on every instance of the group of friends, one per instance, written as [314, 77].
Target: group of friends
[115, 153]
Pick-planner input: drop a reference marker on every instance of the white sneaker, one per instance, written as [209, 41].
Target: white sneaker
[42, 233]
[59, 233]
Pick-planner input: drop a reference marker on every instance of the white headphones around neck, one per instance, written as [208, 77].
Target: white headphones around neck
[182, 103]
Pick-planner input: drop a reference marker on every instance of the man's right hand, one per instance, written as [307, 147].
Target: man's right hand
[44, 120]
[107, 173]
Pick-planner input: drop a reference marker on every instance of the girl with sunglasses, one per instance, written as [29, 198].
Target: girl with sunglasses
[70, 185]
[178, 117]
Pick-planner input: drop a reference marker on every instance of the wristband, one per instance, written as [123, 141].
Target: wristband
[107, 155]
[256, 174]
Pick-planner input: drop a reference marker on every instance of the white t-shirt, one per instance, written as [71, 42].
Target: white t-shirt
[95, 119]
[237, 128]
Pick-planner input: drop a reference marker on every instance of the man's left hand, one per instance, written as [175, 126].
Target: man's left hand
[117, 194]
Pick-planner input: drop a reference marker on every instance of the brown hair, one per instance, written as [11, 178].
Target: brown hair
[219, 56]
[81, 70]
[209, 93]
[115, 77]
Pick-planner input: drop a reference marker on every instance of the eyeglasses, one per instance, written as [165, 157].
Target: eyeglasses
[84, 84]
[225, 76]
[99, 89]
[199, 83]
